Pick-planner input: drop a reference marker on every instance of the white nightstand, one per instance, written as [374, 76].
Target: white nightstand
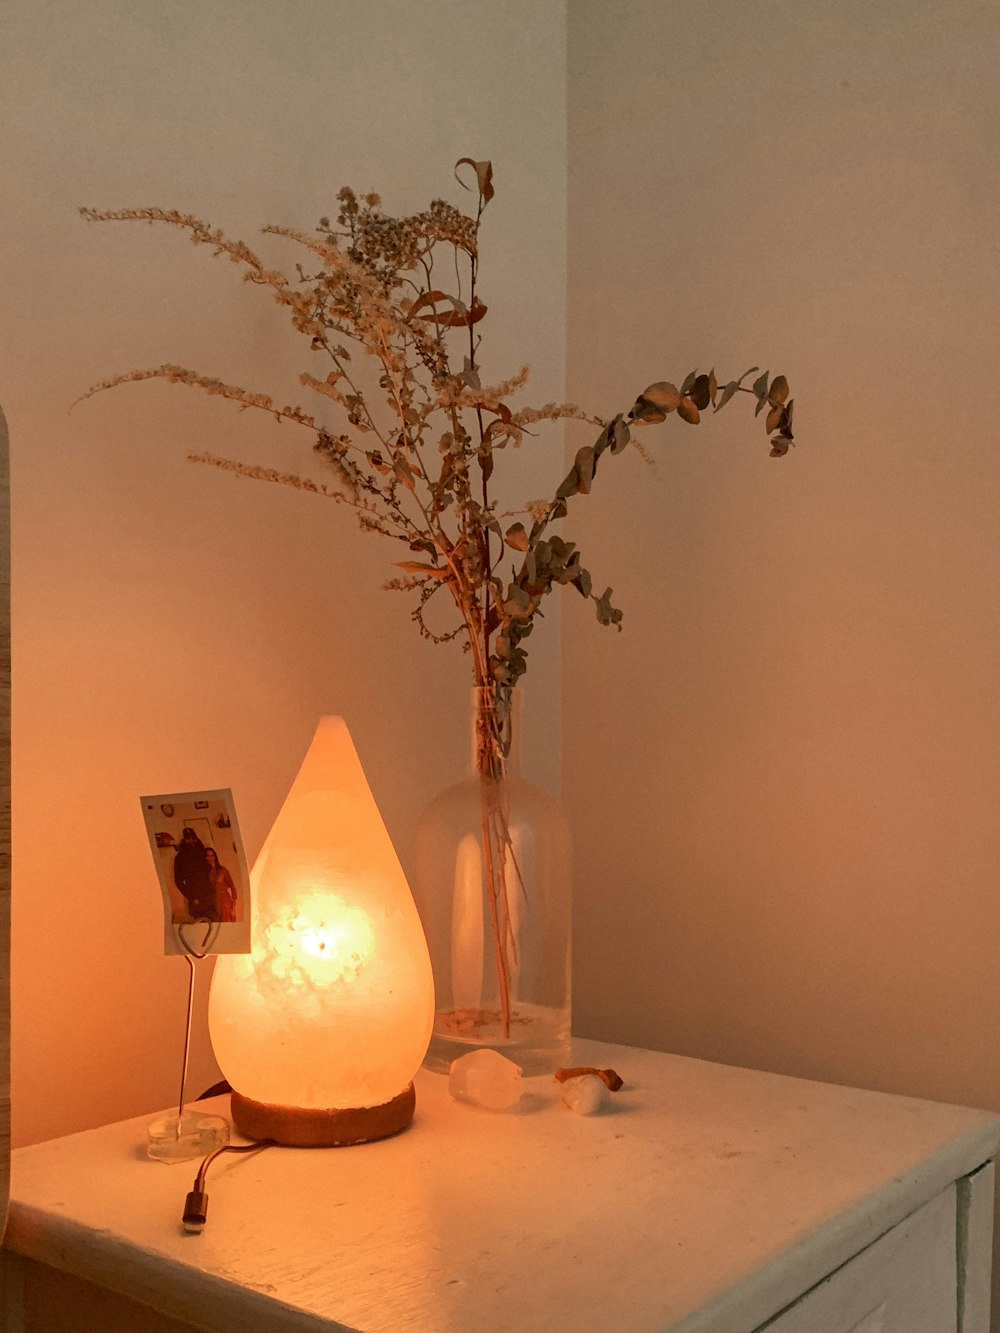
[713, 1200]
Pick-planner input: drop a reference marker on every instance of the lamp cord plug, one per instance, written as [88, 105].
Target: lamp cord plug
[195, 1212]
[196, 1203]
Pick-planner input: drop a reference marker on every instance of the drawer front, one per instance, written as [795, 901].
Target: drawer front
[39, 1299]
[906, 1282]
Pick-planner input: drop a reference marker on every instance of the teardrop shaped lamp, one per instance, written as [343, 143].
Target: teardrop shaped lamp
[321, 1028]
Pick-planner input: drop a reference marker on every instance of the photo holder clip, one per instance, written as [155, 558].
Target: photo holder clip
[194, 839]
[211, 931]
[188, 1134]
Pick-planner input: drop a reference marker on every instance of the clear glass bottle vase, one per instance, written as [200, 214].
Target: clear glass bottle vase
[493, 887]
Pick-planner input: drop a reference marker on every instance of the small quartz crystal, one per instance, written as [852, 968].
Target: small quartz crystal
[485, 1078]
[586, 1095]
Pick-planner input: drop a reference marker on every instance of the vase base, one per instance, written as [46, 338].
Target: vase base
[300, 1127]
[538, 1041]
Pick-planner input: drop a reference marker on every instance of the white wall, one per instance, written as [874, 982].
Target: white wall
[784, 775]
[175, 628]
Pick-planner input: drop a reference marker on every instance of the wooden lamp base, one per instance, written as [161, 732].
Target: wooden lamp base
[297, 1127]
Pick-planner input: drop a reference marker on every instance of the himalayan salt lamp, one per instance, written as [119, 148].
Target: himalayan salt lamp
[321, 1028]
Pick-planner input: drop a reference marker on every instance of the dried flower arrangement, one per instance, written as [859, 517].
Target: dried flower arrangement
[416, 462]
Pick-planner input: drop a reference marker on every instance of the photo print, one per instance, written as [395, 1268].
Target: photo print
[198, 852]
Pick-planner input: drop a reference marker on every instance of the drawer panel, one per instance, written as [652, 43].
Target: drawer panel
[44, 1300]
[906, 1282]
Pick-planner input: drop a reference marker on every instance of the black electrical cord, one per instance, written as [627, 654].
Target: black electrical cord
[196, 1204]
[216, 1090]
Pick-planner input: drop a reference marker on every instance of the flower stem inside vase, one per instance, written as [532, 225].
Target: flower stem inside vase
[493, 725]
[493, 887]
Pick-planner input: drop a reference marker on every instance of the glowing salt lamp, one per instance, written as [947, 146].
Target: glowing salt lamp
[321, 1028]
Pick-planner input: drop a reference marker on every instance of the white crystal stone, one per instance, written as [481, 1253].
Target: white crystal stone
[485, 1078]
[586, 1095]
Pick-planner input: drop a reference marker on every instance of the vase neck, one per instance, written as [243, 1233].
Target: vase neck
[493, 716]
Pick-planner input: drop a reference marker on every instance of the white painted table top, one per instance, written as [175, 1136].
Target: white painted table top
[706, 1202]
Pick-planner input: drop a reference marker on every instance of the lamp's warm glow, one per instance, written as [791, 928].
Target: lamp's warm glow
[328, 940]
[333, 1008]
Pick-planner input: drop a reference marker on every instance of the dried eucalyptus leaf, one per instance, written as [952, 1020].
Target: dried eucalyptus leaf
[713, 385]
[773, 418]
[586, 465]
[687, 411]
[619, 435]
[647, 414]
[570, 486]
[688, 382]
[662, 394]
[518, 602]
[726, 394]
[784, 421]
[572, 570]
[606, 613]
[760, 386]
[516, 537]
[779, 445]
[701, 392]
[779, 391]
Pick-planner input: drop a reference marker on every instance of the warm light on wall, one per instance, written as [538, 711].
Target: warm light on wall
[321, 1028]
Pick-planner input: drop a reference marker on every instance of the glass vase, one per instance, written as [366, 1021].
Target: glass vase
[493, 887]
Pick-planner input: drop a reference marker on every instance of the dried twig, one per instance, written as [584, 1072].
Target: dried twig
[608, 1076]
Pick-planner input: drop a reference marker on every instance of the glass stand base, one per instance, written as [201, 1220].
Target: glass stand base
[194, 1135]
